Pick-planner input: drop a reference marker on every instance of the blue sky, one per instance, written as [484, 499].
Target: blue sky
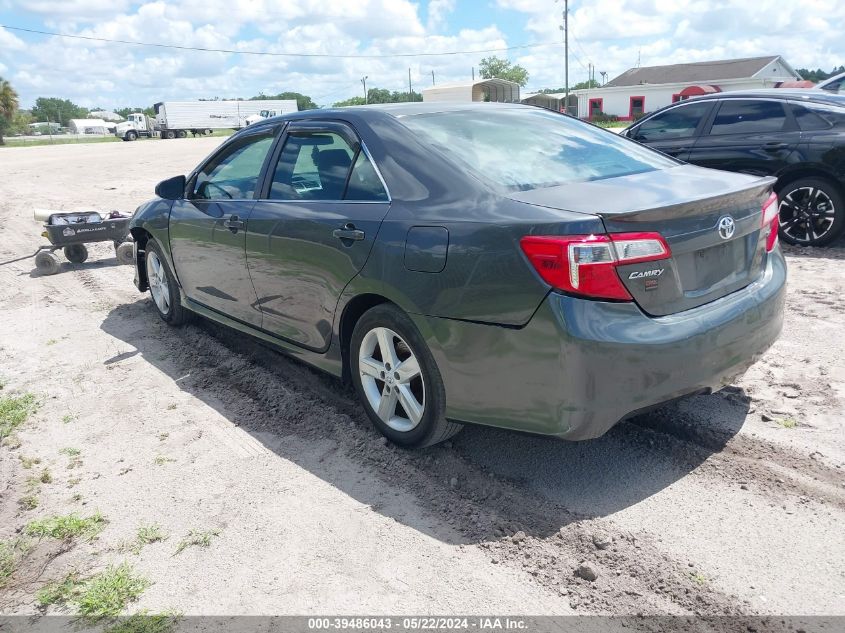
[611, 34]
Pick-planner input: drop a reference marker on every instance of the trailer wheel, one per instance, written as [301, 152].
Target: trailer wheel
[181, 133]
[169, 134]
[46, 263]
[76, 253]
[125, 253]
[207, 132]
[131, 135]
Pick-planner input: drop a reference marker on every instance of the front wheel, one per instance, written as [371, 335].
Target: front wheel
[397, 379]
[163, 288]
[76, 253]
[812, 212]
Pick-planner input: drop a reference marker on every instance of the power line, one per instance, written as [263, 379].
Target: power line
[270, 54]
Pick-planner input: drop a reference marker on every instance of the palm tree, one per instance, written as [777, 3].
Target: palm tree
[8, 106]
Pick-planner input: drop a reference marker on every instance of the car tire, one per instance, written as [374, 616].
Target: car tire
[163, 287]
[46, 263]
[76, 253]
[812, 212]
[384, 341]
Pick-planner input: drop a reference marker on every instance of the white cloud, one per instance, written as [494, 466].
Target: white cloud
[608, 33]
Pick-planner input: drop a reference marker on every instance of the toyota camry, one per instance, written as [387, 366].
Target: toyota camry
[478, 263]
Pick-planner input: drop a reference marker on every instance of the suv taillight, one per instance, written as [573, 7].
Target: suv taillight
[770, 221]
[586, 264]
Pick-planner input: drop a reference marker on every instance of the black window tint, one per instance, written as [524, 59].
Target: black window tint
[233, 173]
[678, 122]
[312, 166]
[818, 116]
[748, 117]
[835, 86]
[364, 183]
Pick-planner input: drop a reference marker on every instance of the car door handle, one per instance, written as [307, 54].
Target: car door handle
[769, 147]
[233, 223]
[348, 232]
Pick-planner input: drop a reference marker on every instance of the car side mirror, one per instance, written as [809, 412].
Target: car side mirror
[172, 188]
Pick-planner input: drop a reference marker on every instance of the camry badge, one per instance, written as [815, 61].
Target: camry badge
[726, 227]
[646, 273]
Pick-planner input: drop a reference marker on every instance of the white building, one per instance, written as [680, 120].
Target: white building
[105, 115]
[641, 90]
[479, 90]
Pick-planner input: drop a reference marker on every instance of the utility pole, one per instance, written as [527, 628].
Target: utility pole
[565, 28]
[432, 77]
[410, 88]
[473, 73]
[364, 81]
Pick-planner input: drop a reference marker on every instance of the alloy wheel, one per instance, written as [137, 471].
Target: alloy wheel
[806, 214]
[392, 379]
[159, 286]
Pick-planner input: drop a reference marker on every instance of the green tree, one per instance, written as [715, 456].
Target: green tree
[61, 110]
[125, 112]
[818, 74]
[303, 102]
[353, 101]
[8, 107]
[496, 67]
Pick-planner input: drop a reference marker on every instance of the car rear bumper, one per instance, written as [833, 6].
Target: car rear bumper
[579, 366]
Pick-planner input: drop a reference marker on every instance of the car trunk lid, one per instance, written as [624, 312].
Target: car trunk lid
[710, 219]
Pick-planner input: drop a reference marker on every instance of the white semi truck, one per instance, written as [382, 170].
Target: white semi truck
[175, 119]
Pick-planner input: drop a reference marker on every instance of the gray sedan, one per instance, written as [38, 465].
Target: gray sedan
[472, 263]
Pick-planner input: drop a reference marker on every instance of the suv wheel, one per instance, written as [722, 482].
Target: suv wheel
[397, 379]
[812, 212]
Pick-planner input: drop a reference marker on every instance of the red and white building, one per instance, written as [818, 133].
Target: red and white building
[641, 90]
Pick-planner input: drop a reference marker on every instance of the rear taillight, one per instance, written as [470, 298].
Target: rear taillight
[770, 221]
[586, 264]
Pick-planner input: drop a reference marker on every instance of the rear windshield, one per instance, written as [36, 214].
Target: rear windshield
[529, 148]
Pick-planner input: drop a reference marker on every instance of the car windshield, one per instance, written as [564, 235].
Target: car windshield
[529, 148]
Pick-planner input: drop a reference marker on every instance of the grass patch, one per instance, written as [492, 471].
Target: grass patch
[11, 553]
[73, 482]
[147, 534]
[161, 460]
[70, 451]
[145, 622]
[52, 341]
[29, 502]
[12, 442]
[60, 592]
[14, 410]
[57, 140]
[103, 595]
[163, 436]
[76, 497]
[67, 418]
[29, 462]
[196, 538]
[67, 526]
[698, 577]
[108, 593]
[788, 423]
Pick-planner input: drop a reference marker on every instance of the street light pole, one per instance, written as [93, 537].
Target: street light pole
[364, 81]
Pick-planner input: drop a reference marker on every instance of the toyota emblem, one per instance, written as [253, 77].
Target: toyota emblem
[726, 227]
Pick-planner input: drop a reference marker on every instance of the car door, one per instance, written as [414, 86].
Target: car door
[674, 130]
[313, 228]
[207, 227]
[752, 136]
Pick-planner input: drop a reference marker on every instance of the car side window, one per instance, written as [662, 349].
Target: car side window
[818, 116]
[748, 117]
[322, 165]
[233, 173]
[679, 122]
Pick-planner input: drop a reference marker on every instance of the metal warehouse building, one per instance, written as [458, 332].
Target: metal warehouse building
[481, 90]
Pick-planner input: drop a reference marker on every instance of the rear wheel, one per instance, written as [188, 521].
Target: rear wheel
[76, 253]
[812, 212]
[397, 379]
[163, 288]
[181, 133]
[46, 263]
[168, 134]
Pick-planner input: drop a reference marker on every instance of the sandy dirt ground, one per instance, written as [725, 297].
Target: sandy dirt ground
[731, 503]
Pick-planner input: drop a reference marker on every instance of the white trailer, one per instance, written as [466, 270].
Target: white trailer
[174, 119]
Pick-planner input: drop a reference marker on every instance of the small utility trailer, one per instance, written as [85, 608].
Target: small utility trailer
[70, 232]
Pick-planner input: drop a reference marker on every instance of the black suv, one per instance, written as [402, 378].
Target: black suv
[796, 135]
